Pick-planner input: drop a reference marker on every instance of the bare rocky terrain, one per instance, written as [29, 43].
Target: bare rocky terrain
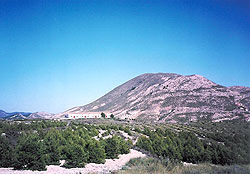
[167, 97]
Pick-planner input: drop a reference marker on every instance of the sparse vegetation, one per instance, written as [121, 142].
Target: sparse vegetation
[35, 144]
[156, 166]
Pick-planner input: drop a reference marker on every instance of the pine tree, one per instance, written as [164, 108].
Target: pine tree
[96, 152]
[144, 143]
[52, 143]
[75, 156]
[6, 151]
[30, 153]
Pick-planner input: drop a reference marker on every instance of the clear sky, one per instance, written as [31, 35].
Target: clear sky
[58, 54]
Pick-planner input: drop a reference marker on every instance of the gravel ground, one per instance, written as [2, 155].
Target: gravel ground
[110, 165]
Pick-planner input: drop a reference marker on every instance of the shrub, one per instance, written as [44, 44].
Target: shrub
[127, 130]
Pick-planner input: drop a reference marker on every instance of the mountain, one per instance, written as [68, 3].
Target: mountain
[17, 116]
[25, 115]
[5, 115]
[168, 97]
[41, 115]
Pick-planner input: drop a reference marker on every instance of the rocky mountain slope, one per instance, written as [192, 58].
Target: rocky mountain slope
[166, 97]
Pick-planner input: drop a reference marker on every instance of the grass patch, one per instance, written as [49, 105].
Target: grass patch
[156, 166]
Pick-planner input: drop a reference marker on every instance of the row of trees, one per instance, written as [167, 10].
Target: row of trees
[75, 145]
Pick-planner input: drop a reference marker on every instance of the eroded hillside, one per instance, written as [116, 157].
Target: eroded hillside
[165, 97]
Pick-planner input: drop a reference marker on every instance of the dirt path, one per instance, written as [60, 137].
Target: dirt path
[110, 165]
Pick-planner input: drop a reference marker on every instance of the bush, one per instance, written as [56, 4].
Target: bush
[127, 130]
[137, 129]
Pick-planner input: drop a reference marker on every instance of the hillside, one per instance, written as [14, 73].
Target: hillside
[166, 97]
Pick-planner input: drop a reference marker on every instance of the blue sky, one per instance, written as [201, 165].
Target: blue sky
[58, 54]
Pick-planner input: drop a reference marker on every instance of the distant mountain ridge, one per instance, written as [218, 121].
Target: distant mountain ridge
[168, 97]
[5, 114]
[25, 115]
[41, 115]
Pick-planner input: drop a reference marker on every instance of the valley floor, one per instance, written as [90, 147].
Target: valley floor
[109, 166]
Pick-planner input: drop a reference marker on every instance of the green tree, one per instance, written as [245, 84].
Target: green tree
[6, 151]
[125, 146]
[96, 152]
[193, 148]
[137, 129]
[160, 148]
[144, 143]
[207, 156]
[30, 153]
[147, 131]
[115, 146]
[127, 130]
[112, 147]
[103, 115]
[52, 143]
[75, 156]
